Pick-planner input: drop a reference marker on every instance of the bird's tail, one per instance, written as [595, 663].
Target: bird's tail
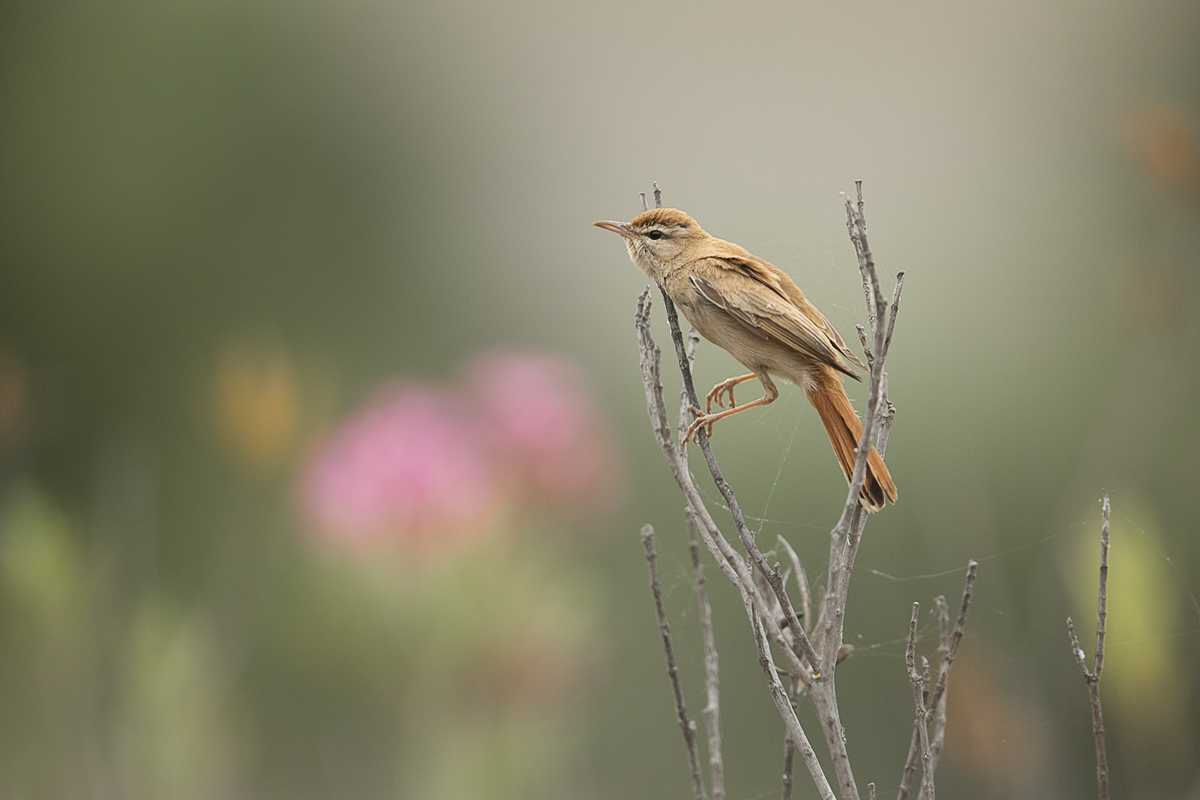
[845, 430]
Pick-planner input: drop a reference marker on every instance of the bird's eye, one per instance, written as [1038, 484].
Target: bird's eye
[655, 234]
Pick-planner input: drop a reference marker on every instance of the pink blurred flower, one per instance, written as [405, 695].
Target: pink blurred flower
[423, 467]
[543, 425]
[409, 467]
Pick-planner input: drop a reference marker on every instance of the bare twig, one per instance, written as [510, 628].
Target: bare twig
[805, 611]
[887, 413]
[779, 695]
[712, 683]
[858, 234]
[887, 341]
[860, 250]
[846, 535]
[642, 195]
[959, 627]
[936, 698]
[689, 729]
[789, 751]
[685, 402]
[1092, 677]
[938, 740]
[657, 195]
[914, 678]
[862, 338]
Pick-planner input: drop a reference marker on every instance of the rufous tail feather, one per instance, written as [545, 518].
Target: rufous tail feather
[845, 430]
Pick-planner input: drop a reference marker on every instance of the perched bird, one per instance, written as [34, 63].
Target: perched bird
[753, 310]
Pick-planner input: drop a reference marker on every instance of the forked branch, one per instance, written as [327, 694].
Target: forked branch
[947, 650]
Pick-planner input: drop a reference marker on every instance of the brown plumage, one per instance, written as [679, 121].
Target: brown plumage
[756, 312]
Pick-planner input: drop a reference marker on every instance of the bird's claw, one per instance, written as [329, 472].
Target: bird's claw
[693, 431]
[718, 391]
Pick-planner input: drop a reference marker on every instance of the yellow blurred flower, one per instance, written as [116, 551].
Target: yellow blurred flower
[1143, 684]
[257, 405]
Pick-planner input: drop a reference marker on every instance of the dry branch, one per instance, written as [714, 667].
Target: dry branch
[780, 696]
[712, 683]
[1092, 677]
[689, 730]
[918, 685]
[938, 696]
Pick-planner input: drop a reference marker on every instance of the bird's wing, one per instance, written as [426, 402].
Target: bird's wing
[779, 282]
[768, 301]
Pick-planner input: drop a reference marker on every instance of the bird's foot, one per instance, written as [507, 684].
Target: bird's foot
[701, 420]
[721, 389]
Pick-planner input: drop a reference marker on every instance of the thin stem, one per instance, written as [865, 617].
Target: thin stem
[918, 685]
[939, 689]
[712, 683]
[689, 728]
[1093, 677]
[887, 341]
[939, 708]
[789, 751]
[779, 695]
[801, 583]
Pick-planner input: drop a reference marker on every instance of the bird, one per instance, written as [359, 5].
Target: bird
[756, 312]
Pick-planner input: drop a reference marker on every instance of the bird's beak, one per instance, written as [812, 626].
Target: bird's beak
[614, 226]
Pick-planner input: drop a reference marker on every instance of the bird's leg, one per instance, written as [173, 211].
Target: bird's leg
[725, 387]
[771, 393]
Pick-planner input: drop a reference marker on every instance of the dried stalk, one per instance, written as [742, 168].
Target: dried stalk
[712, 683]
[919, 696]
[689, 727]
[846, 535]
[937, 697]
[789, 751]
[1092, 677]
[805, 611]
[938, 741]
[780, 696]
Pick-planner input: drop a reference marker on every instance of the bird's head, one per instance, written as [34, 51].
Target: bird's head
[658, 239]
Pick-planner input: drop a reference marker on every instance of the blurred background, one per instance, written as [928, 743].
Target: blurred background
[323, 446]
